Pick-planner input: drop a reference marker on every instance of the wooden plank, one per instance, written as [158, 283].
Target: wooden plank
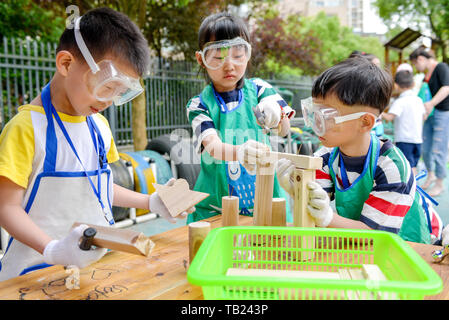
[230, 213]
[300, 161]
[301, 216]
[374, 273]
[120, 275]
[125, 240]
[357, 274]
[344, 275]
[281, 273]
[278, 212]
[179, 198]
[263, 195]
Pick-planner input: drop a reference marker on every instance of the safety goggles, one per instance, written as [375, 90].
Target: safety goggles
[214, 54]
[321, 118]
[104, 81]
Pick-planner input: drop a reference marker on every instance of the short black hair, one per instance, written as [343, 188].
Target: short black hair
[404, 79]
[421, 51]
[105, 31]
[222, 26]
[362, 54]
[355, 81]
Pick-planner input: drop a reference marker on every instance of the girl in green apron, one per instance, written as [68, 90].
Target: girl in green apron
[225, 129]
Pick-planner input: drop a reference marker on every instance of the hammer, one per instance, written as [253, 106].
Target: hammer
[87, 238]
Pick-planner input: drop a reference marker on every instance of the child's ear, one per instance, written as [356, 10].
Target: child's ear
[368, 121]
[63, 61]
[199, 59]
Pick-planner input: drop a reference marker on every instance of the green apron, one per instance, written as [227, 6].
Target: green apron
[349, 201]
[222, 178]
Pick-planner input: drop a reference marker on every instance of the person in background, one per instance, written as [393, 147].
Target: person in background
[408, 114]
[369, 56]
[436, 127]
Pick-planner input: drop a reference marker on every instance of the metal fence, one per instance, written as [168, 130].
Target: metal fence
[27, 65]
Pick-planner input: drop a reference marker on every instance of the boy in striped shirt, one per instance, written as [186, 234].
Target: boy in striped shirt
[370, 179]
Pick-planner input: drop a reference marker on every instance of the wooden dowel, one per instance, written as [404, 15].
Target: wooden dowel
[278, 212]
[263, 195]
[230, 213]
[197, 233]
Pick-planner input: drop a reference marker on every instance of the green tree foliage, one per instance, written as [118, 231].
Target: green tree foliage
[22, 18]
[169, 24]
[435, 13]
[279, 48]
[339, 41]
[305, 45]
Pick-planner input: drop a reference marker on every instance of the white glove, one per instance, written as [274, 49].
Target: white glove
[445, 235]
[318, 205]
[272, 111]
[157, 206]
[284, 172]
[251, 153]
[67, 251]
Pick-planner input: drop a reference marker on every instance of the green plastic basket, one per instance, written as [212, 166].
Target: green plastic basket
[281, 248]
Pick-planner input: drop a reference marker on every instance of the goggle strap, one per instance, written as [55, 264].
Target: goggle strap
[348, 117]
[83, 48]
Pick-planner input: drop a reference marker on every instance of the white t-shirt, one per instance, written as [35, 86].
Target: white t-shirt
[409, 110]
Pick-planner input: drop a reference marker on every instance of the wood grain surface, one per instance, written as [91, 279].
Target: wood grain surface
[124, 276]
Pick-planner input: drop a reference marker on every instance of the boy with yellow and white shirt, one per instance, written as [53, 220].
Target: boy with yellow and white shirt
[54, 153]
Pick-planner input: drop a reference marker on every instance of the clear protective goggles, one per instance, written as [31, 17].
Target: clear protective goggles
[214, 54]
[321, 118]
[104, 81]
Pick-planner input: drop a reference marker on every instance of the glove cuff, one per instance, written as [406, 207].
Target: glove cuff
[48, 252]
[327, 219]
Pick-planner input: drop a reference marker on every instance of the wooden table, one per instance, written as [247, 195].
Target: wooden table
[162, 276]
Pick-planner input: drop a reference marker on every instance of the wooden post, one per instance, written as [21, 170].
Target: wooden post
[263, 195]
[230, 213]
[301, 216]
[278, 212]
[197, 233]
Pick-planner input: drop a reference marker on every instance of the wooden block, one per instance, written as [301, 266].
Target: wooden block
[344, 275]
[300, 161]
[178, 197]
[230, 213]
[374, 273]
[125, 240]
[197, 233]
[301, 216]
[263, 195]
[278, 212]
[357, 274]
[282, 273]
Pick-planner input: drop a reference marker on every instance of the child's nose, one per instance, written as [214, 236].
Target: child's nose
[228, 65]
